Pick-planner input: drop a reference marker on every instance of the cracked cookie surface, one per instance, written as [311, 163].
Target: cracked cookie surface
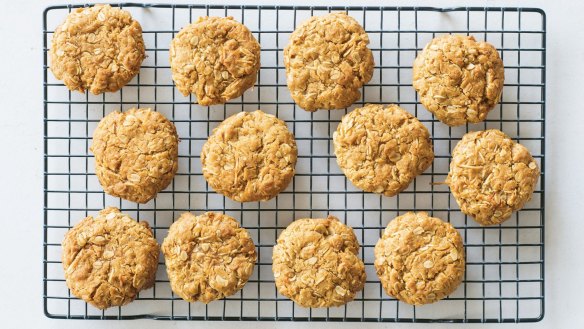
[382, 149]
[316, 263]
[136, 154]
[458, 79]
[109, 258]
[98, 48]
[327, 61]
[419, 259]
[208, 257]
[491, 176]
[250, 156]
[215, 58]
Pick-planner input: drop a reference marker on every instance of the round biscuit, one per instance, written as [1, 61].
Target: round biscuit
[208, 257]
[419, 259]
[316, 263]
[109, 258]
[491, 176]
[458, 79]
[136, 154]
[327, 62]
[382, 149]
[250, 156]
[215, 58]
[97, 48]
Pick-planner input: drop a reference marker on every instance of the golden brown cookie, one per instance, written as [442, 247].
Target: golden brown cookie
[327, 62]
[249, 157]
[109, 259]
[459, 79]
[382, 149]
[215, 58]
[419, 259]
[316, 263]
[98, 48]
[208, 257]
[136, 154]
[491, 176]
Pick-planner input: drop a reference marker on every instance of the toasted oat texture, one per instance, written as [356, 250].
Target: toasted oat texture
[215, 58]
[98, 48]
[382, 149]
[316, 263]
[250, 157]
[327, 62]
[136, 154]
[459, 79]
[109, 259]
[208, 257]
[419, 259]
[491, 176]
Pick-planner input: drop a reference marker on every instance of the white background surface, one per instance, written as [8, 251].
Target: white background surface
[21, 195]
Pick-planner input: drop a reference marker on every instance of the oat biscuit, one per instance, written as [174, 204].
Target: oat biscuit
[249, 157]
[98, 48]
[136, 154]
[327, 62]
[215, 58]
[208, 257]
[316, 263]
[459, 79]
[419, 259]
[109, 258]
[491, 176]
[382, 149]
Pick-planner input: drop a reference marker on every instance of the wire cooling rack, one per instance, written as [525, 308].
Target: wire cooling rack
[504, 280]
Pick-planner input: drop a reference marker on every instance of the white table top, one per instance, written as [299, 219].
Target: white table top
[21, 146]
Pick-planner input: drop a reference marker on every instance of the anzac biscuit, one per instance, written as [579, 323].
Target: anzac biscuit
[382, 149]
[215, 58]
[491, 176]
[249, 157]
[459, 79]
[109, 259]
[208, 257]
[327, 62]
[419, 259]
[316, 263]
[98, 48]
[136, 154]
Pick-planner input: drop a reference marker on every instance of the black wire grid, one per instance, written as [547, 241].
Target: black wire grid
[504, 280]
